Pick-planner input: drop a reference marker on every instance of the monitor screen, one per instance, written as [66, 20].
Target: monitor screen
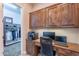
[49, 34]
[31, 34]
[62, 39]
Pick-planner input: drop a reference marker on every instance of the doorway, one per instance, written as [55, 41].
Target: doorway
[12, 29]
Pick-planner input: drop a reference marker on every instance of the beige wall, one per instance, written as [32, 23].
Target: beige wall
[71, 33]
[26, 8]
[1, 30]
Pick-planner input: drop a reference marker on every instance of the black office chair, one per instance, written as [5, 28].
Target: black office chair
[46, 47]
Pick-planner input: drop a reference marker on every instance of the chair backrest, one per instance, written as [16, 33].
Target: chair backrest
[46, 46]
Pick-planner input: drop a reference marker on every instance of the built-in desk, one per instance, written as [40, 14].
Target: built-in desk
[71, 50]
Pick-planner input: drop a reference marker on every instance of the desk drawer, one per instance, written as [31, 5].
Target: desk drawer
[74, 54]
[64, 52]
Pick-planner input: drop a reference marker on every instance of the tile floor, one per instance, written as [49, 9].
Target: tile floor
[13, 50]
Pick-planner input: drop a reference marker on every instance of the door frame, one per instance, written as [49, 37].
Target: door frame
[20, 24]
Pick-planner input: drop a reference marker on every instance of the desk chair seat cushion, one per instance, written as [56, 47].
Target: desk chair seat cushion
[46, 46]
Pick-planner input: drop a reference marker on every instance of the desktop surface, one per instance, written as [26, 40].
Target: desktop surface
[60, 43]
[70, 46]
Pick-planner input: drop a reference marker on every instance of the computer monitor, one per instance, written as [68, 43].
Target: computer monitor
[62, 39]
[32, 35]
[49, 34]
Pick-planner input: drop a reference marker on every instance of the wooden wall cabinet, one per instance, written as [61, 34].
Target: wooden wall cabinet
[37, 19]
[53, 16]
[69, 15]
[61, 15]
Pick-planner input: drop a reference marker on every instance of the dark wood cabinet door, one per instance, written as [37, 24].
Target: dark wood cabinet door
[34, 17]
[37, 19]
[68, 15]
[75, 16]
[30, 47]
[64, 14]
[59, 17]
[51, 16]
